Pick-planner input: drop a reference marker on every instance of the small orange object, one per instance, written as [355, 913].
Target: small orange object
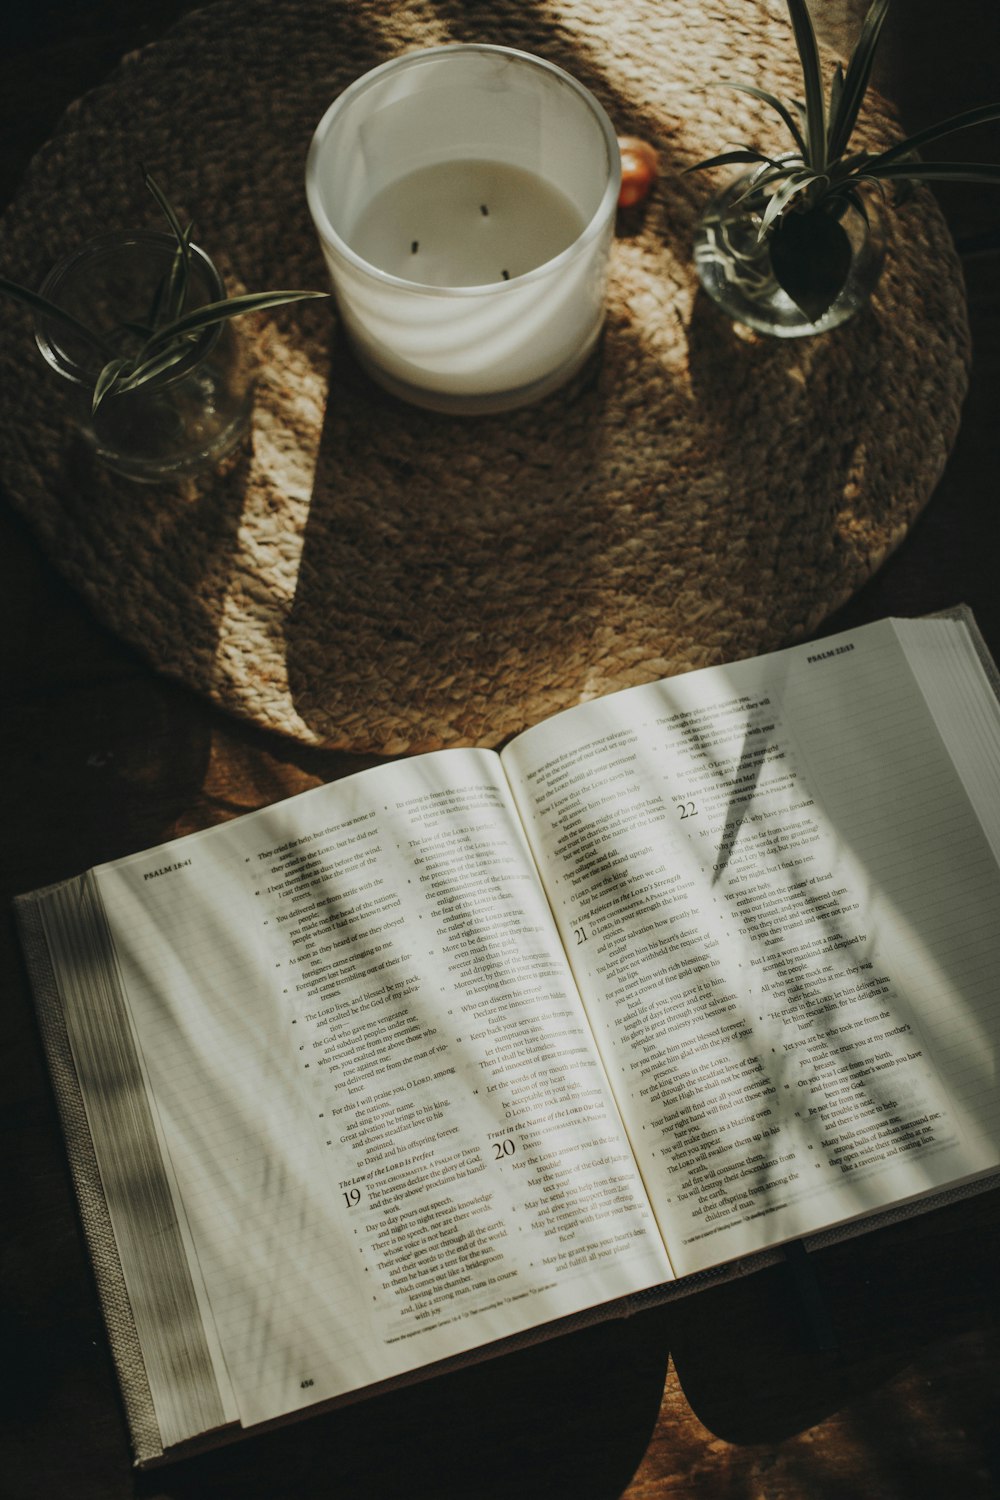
[640, 166]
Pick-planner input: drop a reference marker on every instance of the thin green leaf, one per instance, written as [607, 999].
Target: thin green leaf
[179, 279]
[730, 158]
[981, 115]
[860, 179]
[107, 380]
[174, 291]
[156, 364]
[765, 179]
[808, 49]
[766, 98]
[150, 182]
[833, 110]
[159, 298]
[171, 293]
[856, 162]
[934, 171]
[844, 118]
[231, 307]
[780, 199]
[856, 200]
[43, 305]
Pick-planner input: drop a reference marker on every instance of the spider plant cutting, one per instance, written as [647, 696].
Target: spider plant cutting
[138, 350]
[801, 201]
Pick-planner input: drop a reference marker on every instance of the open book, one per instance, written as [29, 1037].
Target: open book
[466, 1046]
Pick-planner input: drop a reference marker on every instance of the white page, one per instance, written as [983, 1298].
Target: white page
[782, 914]
[389, 1129]
[965, 708]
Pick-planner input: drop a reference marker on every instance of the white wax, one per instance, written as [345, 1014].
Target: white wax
[465, 223]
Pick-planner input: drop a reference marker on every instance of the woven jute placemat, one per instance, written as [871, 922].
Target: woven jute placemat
[374, 577]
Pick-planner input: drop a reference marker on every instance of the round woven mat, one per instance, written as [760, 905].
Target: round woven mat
[373, 577]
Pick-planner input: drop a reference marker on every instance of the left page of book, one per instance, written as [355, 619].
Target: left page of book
[385, 1125]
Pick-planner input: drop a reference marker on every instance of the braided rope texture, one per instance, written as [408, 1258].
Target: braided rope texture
[373, 577]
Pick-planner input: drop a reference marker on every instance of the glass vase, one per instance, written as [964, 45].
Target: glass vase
[734, 264]
[184, 420]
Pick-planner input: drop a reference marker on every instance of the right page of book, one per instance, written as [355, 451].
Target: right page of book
[781, 906]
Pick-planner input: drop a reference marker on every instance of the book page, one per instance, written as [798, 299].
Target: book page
[387, 1125]
[782, 914]
[964, 701]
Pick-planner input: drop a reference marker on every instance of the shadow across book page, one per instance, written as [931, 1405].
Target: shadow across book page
[469, 1046]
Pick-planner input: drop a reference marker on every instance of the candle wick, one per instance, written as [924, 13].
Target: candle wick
[505, 275]
[413, 246]
[484, 210]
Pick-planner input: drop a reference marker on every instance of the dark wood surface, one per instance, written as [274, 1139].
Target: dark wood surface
[891, 1392]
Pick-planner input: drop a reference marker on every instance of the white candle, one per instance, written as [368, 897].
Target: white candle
[466, 223]
[464, 199]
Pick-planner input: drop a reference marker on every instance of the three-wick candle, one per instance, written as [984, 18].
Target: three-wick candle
[464, 198]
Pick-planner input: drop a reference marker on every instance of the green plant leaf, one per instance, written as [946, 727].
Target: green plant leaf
[107, 380]
[848, 165]
[730, 158]
[41, 304]
[932, 171]
[171, 293]
[175, 291]
[834, 107]
[844, 116]
[766, 98]
[781, 198]
[157, 364]
[848, 194]
[812, 78]
[811, 259]
[766, 178]
[981, 115]
[800, 110]
[150, 182]
[230, 307]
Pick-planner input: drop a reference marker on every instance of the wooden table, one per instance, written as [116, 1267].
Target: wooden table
[890, 1390]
